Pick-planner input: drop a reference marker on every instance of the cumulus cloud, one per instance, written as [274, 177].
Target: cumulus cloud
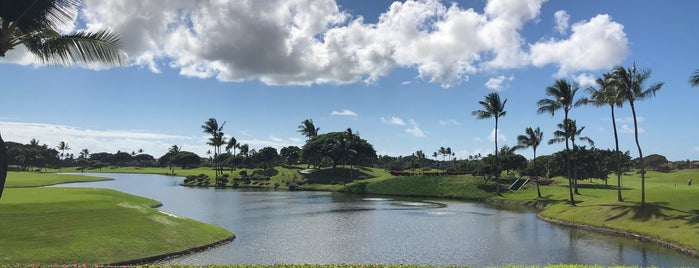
[562, 19]
[415, 130]
[303, 42]
[496, 83]
[599, 43]
[345, 112]
[585, 80]
[393, 121]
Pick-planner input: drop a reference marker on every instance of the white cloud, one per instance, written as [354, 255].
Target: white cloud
[625, 128]
[111, 141]
[447, 122]
[94, 140]
[629, 119]
[393, 121]
[415, 129]
[585, 80]
[281, 42]
[562, 19]
[495, 83]
[596, 44]
[345, 112]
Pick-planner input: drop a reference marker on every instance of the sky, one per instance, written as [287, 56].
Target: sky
[405, 75]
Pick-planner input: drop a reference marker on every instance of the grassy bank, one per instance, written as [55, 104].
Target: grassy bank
[458, 187]
[82, 225]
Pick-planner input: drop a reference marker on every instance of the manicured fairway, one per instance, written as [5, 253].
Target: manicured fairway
[33, 179]
[85, 225]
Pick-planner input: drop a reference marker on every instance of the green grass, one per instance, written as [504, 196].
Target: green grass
[83, 225]
[460, 187]
[671, 212]
[34, 179]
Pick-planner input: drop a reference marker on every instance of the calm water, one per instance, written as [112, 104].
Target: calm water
[321, 227]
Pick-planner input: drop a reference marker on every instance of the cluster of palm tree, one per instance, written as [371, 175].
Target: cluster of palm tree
[34, 25]
[218, 140]
[621, 85]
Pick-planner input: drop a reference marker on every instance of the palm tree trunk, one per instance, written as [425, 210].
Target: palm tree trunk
[618, 163]
[570, 181]
[3, 165]
[538, 190]
[640, 157]
[497, 161]
[575, 168]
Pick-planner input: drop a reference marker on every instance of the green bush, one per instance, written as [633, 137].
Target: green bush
[268, 172]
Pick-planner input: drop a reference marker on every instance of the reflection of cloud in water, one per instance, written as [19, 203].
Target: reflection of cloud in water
[376, 199]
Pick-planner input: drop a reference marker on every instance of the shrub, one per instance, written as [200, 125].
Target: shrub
[268, 172]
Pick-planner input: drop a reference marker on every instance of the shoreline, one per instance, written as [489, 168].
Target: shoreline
[680, 248]
[167, 256]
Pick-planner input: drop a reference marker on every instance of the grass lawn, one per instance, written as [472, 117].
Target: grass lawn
[35, 179]
[671, 212]
[84, 225]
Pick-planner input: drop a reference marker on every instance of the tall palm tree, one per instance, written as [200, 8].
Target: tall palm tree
[84, 154]
[216, 141]
[308, 129]
[62, 146]
[562, 97]
[492, 108]
[608, 94]
[631, 85]
[694, 79]
[244, 149]
[532, 138]
[232, 144]
[34, 24]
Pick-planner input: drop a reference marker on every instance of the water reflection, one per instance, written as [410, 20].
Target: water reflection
[321, 227]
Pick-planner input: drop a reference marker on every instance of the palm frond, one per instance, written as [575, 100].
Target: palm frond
[80, 47]
[694, 79]
[36, 15]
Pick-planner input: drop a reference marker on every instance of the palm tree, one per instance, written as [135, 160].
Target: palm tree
[568, 130]
[531, 139]
[34, 24]
[308, 129]
[562, 95]
[216, 141]
[84, 154]
[232, 144]
[62, 146]
[244, 149]
[694, 79]
[608, 94]
[630, 82]
[492, 107]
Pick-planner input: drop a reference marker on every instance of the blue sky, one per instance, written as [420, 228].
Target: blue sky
[405, 75]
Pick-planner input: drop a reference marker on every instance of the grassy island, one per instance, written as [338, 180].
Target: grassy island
[85, 225]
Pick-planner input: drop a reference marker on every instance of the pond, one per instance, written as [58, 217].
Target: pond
[323, 227]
